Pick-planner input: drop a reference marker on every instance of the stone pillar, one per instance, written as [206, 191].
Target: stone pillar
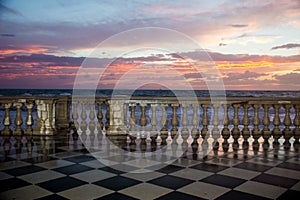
[153, 118]
[297, 123]
[287, 133]
[256, 132]
[143, 119]
[92, 124]
[62, 113]
[215, 130]
[132, 117]
[246, 131]
[174, 118]
[117, 121]
[204, 121]
[266, 133]
[7, 119]
[18, 119]
[100, 116]
[83, 115]
[164, 120]
[195, 120]
[75, 114]
[45, 117]
[236, 122]
[29, 119]
[226, 131]
[107, 115]
[185, 122]
[276, 131]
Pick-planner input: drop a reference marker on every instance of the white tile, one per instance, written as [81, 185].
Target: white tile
[261, 189]
[224, 162]
[93, 175]
[93, 163]
[185, 162]
[4, 176]
[284, 172]
[239, 173]
[24, 193]
[88, 191]
[192, 174]
[141, 163]
[13, 164]
[145, 191]
[204, 190]
[295, 160]
[42, 176]
[54, 164]
[296, 186]
[264, 161]
[106, 162]
[143, 176]
[65, 154]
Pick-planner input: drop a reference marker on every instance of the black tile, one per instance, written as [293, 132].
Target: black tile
[24, 170]
[290, 194]
[52, 197]
[117, 183]
[209, 167]
[237, 195]
[60, 184]
[225, 181]
[38, 159]
[275, 180]
[253, 166]
[73, 169]
[169, 169]
[6, 158]
[116, 196]
[111, 170]
[288, 165]
[178, 196]
[12, 183]
[171, 182]
[120, 158]
[80, 158]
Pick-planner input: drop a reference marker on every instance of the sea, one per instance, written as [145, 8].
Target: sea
[153, 93]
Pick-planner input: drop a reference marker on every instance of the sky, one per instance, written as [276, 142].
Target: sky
[198, 44]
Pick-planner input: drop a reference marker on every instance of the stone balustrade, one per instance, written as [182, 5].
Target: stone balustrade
[231, 117]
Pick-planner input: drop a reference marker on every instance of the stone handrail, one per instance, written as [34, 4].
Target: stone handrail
[235, 116]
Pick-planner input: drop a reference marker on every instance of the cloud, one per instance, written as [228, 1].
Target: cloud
[7, 35]
[286, 46]
[222, 44]
[238, 25]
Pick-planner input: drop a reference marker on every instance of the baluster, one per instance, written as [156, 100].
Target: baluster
[100, 116]
[107, 115]
[92, 116]
[153, 118]
[83, 124]
[143, 119]
[276, 122]
[164, 120]
[132, 117]
[195, 120]
[7, 119]
[287, 133]
[297, 123]
[226, 131]
[236, 122]
[256, 132]
[246, 131]
[215, 130]
[29, 119]
[75, 114]
[185, 122]
[204, 121]
[266, 133]
[18, 119]
[174, 119]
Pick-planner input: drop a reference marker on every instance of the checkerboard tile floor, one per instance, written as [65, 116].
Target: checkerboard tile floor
[64, 170]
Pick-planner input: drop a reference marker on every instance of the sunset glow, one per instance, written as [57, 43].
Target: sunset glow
[254, 45]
